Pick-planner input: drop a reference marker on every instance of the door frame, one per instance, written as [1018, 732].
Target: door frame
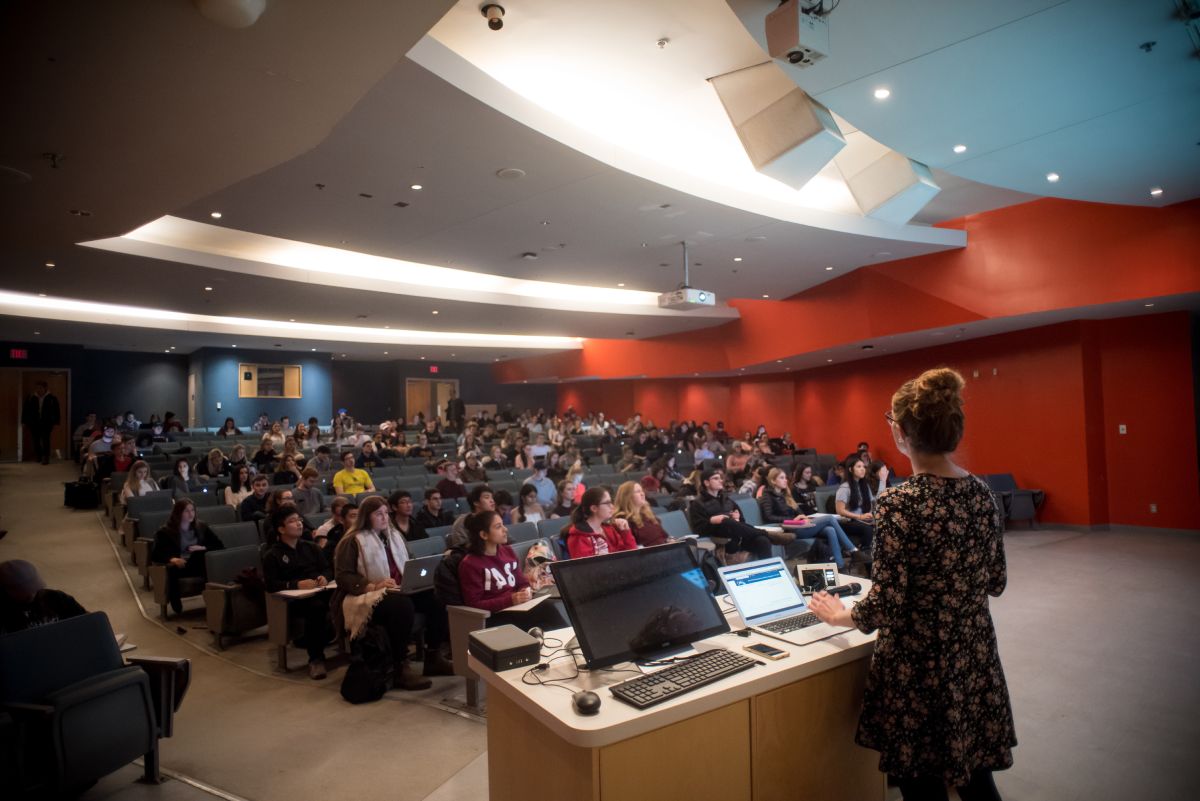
[64, 408]
[408, 413]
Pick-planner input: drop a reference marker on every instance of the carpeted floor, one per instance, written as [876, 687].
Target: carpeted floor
[1099, 634]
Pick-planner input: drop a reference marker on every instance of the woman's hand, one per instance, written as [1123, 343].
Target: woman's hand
[307, 584]
[620, 524]
[830, 609]
[521, 596]
[177, 561]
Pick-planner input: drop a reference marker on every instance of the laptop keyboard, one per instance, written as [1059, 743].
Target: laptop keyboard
[689, 675]
[791, 623]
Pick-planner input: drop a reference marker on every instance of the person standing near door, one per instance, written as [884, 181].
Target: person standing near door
[40, 415]
[456, 412]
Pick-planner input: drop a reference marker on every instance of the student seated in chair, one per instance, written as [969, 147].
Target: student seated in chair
[351, 480]
[254, 505]
[213, 466]
[180, 545]
[264, 458]
[491, 578]
[292, 563]
[777, 505]
[400, 504]
[138, 482]
[481, 500]
[239, 486]
[432, 515]
[451, 485]
[594, 531]
[25, 603]
[309, 499]
[369, 459]
[181, 480]
[288, 472]
[714, 514]
[345, 517]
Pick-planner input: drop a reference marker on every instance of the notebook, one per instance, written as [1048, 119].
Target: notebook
[769, 601]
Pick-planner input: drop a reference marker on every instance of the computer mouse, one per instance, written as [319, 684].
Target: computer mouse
[586, 702]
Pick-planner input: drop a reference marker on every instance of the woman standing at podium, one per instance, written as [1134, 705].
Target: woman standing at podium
[936, 704]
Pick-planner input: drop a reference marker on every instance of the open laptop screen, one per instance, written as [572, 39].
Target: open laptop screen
[763, 588]
[635, 605]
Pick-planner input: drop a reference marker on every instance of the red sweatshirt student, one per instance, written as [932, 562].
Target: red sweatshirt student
[491, 578]
[594, 531]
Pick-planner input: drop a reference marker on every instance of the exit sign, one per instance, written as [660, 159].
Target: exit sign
[433, 368]
[18, 353]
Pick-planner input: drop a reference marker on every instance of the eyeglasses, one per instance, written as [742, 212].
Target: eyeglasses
[605, 503]
[888, 416]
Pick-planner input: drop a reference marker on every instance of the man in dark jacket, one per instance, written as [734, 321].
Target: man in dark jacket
[40, 415]
[714, 514]
[25, 603]
[456, 411]
[292, 563]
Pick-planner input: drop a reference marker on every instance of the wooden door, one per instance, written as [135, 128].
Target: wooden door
[418, 397]
[57, 384]
[10, 413]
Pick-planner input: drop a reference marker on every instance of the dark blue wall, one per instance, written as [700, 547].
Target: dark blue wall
[109, 382]
[217, 381]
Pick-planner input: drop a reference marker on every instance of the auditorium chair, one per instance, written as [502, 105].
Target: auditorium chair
[1015, 503]
[158, 500]
[75, 712]
[522, 532]
[433, 543]
[232, 608]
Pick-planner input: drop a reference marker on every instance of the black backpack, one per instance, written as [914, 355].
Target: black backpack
[370, 668]
[445, 580]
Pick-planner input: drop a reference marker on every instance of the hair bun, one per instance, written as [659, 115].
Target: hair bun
[929, 408]
[938, 391]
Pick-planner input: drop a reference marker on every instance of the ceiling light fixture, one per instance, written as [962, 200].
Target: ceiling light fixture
[41, 294]
[829, 360]
[620, 285]
[766, 296]
[49, 265]
[291, 319]
[216, 215]
[233, 346]
[737, 258]
[435, 311]
[416, 187]
[314, 350]
[1052, 177]
[1156, 192]
[37, 333]
[883, 93]
[960, 148]
[208, 289]
[1149, 305]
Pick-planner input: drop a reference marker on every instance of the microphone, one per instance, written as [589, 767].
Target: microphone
[853, 588]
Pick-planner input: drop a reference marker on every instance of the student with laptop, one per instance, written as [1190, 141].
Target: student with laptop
[491, 578]
[936, 704]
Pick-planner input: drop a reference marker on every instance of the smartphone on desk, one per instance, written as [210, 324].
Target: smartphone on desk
[766, 651]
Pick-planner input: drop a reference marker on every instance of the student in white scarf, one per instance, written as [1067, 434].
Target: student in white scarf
[369, 561]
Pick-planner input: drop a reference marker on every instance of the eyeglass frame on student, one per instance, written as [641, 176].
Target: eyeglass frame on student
[888, 416]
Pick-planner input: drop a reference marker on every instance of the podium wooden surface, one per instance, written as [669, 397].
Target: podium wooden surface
[783, 731]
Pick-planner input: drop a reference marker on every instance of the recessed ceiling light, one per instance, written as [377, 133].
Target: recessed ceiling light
[208, 289]
[620, 285]
[422, 358]
[41, 294]
[37, 333]
[49, 265]
[779, 361]
[1148, 305]
[766, 296]
[829, 360]
[545, 222]
[416, 187]
[435, 311]
[737, 258]
[166, 351]
[453, 354]
[1052, 177]
[828, 269]
[172, 347]
[385, 353]
[233, 346]
[291, 319]
[343, 355]
[510, 173]
[883, 93]
[314, 350]
[216, 215]
[1156, 191]
[960, 148]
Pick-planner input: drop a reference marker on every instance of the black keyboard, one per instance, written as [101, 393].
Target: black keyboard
[710, 666]
[791, 623]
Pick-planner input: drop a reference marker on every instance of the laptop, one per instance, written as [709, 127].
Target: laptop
[769, 601]
[418, 574]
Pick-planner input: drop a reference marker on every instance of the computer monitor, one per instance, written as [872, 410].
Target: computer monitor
[638, 605]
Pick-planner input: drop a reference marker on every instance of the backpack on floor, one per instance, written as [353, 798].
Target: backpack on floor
[82, 494]
[370, 668]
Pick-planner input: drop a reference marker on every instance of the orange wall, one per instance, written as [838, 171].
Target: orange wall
[1048, 414]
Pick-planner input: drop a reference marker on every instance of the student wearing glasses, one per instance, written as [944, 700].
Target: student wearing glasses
[594, 531]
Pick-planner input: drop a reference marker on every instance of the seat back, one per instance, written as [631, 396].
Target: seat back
[224, 566]
[549, 529]
[317, 519]
[150, 502]
[439, 531]
[751, 514]
[825, 499]
[675, 524]
[434, 543]
[522, 532]
[208, 496]
[149, 524]
[216, 515]
[38, 661]
[521, 549]
[1001, 482]
[237, 535]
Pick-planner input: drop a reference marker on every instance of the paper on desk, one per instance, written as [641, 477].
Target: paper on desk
[306, 593]
[532, 602]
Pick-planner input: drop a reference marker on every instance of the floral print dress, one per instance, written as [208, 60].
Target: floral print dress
[936, 703]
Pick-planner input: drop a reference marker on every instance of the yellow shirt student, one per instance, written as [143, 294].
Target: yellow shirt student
[352, 481]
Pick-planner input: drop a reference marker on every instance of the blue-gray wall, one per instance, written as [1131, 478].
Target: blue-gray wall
[216, 372]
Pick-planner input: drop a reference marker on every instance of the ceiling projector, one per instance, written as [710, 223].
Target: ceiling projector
[686, 298]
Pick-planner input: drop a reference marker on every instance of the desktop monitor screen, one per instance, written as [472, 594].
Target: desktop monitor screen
[635, 605]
